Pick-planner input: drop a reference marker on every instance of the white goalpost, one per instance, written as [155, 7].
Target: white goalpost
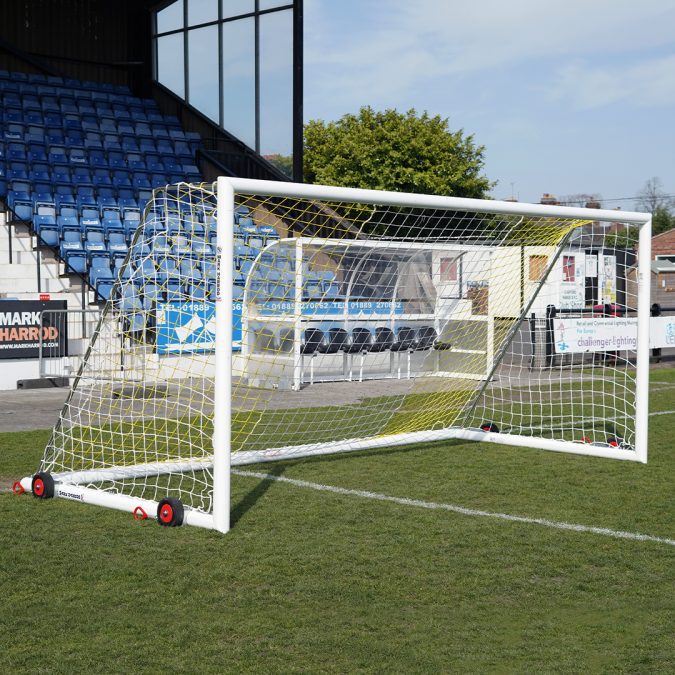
[256, 321]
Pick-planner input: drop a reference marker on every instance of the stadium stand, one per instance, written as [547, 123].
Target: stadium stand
[79, 161]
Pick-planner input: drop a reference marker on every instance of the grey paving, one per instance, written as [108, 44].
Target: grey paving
[27, 409]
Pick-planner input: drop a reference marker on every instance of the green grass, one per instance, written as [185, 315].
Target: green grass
[312, 581]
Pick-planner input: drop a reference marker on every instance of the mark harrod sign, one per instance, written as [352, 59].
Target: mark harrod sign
[21, 332]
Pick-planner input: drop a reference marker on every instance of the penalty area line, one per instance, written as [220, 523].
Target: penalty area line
[402, 501]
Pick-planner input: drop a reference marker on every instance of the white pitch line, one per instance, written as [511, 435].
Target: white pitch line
[616, 534]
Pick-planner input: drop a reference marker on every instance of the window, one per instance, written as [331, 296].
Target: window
[276, 83]
[203, 77]
[201, 11]
[568, 268]
[271, 4]
[170, 63]
[238, 70]
[237, 7]
[170, 18]
[239, 91]
[538, 265]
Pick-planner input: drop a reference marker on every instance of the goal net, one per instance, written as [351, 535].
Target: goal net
[256, 321]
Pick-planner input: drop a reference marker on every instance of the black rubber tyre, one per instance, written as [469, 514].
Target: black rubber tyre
[42, 485]
[170, 512]
[489, 426]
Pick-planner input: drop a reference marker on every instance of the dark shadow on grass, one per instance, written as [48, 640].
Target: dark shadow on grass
[251, 498]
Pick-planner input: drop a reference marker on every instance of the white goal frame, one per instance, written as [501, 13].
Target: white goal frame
[70, 485]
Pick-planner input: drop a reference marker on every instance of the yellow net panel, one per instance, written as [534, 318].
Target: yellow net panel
[351, 322]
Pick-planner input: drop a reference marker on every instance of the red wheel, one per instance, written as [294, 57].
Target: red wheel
[38, 487]
[170, 512]
[43, 486]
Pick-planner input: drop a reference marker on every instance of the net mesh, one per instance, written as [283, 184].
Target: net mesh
[350, 322]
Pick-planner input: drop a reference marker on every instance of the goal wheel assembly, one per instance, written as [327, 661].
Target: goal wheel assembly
[42, 485]
[170, 512]
[489, 426]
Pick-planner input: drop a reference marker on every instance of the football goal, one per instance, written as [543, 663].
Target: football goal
[255, 321]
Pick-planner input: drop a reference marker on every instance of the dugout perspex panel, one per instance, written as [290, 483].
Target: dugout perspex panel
[255, 321]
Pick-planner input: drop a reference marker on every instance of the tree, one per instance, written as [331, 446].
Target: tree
[662, 220]
[652, 197]
[282, 162]
[396, 151]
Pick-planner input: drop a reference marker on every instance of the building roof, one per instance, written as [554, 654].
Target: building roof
[659, 266]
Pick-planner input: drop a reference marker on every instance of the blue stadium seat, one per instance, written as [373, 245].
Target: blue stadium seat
[101, 178]
[202, 249]
[57, 155]
[64, 198]
[136, 162]
[19, 200]
[127, 202]
[61, 174]
[167, 270]
[42, 195]
[78, 156]
[102, 279]
[34, 134]
[68, 222]
[141, 180]
[52, 117]
[16, 151]
[161, 247]
[70, 121]
[74, 139]
[209, 270]
[13, 114]
[14, 131]
[112, 142]
[268, 233]
[55, 136]
[36, 153]
[117, 243]
[117, 161]
[190, 271]
[154, 163]
[45, 227]
[73, 254]
[147, 145]
[91, 223]
[181, 247]
[85, 199]
[158, 180]
[17, 171]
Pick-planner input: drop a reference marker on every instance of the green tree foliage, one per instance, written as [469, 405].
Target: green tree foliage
[282, 162]
[662, 220]
[390, 150]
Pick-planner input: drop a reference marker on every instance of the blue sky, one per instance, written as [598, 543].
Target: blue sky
[573, 96]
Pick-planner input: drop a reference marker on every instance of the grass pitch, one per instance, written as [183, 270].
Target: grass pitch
[316, 581]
